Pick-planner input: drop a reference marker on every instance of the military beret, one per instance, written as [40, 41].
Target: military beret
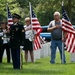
[16, 16]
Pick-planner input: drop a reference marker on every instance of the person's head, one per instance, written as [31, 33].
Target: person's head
[56, 16]
[4, 25]
[27, 21]
[16, 17]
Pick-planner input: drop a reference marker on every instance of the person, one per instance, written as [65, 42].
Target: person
[16, 37]
[5, 43]
[55, 27]
[28, 40]
[1, 41]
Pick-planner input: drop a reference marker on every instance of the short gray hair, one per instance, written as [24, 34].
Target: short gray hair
[56, 13]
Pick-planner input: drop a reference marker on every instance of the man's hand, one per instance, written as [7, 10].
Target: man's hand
[26, 29]
[5, 32]
[54, 27]
[57, 26]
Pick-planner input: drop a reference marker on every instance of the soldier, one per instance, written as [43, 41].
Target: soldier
[16, 36]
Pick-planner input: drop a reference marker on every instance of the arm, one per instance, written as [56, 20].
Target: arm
[51, 29]
[22, 35]
[26, 29]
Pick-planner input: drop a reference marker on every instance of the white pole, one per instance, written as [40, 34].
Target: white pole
[30, 12]
[31, 25]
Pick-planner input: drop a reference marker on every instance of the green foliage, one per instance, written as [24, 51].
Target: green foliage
[44, 9]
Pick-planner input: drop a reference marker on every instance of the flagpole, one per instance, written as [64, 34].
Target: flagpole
[63, 55]
[63, 58]
[31, 25]
[7, 14]
[30, 12]
[7, 11]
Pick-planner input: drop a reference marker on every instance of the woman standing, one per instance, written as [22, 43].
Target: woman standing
[28, 40]
[5, 38]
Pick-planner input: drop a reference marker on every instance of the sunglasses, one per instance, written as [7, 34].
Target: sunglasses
[27, 21]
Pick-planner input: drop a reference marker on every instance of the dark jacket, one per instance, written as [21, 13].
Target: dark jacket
[16, 35]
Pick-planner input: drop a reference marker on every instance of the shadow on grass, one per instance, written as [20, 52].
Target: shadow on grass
[67, 63]
[29, 71]
[5, 64]
[7, 69]
[31, 63]
[70, 63]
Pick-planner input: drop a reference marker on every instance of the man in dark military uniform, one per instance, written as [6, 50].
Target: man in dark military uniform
[16, 37]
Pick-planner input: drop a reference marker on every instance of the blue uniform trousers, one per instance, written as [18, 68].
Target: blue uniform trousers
[16, 58]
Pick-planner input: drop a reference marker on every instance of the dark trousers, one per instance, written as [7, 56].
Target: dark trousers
[6, 46]
[16, 58]
[0, 55]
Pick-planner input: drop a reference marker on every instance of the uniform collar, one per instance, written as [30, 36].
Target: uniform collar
[15, 23]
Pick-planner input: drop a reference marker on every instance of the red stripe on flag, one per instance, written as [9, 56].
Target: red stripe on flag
[66, 22]
[10, 21]
[70, 38]
[34, 20]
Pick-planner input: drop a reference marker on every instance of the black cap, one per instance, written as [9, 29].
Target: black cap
[16, 16]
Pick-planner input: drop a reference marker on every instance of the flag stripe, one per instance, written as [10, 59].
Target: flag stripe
[70, 36]
[10, 21]
[36, 26]
[68, 30]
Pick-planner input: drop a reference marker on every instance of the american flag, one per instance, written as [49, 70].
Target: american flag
[9, 17]
[70, 32]
[36, 26]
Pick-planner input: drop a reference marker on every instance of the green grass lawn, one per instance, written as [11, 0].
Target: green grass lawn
[41, 67]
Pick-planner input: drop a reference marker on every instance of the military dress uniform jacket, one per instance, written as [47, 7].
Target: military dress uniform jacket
[16, 35]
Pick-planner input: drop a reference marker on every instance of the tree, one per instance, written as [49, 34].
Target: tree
[70, 8]
[13, 5]
[44, 9]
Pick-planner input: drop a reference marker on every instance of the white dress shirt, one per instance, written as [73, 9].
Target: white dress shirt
[29, 34]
